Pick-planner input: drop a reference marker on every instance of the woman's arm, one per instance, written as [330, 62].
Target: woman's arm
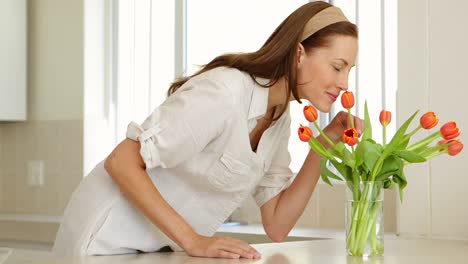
[127, 169]
[280, 214]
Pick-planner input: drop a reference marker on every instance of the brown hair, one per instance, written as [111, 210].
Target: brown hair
[276, 58]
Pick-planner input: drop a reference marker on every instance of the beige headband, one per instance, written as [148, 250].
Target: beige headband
[326, 17]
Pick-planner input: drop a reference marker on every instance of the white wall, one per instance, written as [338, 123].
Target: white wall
[432, 73]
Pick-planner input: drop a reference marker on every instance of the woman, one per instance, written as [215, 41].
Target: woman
[221, 135]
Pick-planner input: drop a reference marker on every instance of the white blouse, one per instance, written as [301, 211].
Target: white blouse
[197, 152]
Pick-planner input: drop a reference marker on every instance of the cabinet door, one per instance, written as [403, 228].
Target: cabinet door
[13, 60]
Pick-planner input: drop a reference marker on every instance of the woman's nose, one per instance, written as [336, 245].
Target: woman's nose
[343, 83]
[343, 86]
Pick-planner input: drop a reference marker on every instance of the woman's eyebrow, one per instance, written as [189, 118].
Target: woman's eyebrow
[344, 61]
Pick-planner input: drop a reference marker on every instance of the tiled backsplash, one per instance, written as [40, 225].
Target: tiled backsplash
[59, 145]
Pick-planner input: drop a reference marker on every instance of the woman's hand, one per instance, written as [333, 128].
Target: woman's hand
[220, 247]
[339, 123]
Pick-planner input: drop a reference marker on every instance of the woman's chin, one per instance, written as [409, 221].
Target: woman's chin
[324, 108]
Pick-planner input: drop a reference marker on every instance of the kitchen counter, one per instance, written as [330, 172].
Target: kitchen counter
[330, 251]
[297, 232]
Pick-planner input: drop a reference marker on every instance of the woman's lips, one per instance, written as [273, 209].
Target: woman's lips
[332, 97]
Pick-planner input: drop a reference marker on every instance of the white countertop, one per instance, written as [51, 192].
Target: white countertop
[330, 251]
[297, 232]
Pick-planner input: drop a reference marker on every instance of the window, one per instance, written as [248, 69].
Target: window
[245, 28]
[145, 48]
[373, 79]
[159, 39]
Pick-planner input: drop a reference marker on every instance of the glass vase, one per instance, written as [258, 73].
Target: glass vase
[364, 219]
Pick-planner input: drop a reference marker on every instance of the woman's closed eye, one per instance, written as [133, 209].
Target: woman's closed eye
[338, 69]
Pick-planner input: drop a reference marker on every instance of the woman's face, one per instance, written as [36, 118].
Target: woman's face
[322, 73]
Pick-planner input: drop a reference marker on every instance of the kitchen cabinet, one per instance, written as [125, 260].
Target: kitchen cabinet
[13, 60]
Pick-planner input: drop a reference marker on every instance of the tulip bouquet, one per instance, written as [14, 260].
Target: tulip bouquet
[368, 167]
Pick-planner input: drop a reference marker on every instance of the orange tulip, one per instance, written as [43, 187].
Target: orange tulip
[310, 113]
[450, 130]
[442, 142]
[385, 117]
[455, 148]
[350, 136]
[347, 100]
[428, 120]
[305, 133]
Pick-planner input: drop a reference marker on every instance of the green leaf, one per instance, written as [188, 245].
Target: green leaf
[403, 179]
[347, 156]
[384, 176]
[339, 147]
[388, 184]
[399, 136]
[333, 175]
[318, 148]
[391, 165]
[409, 156]
[359, 154]
[365, 175]
[344, 170]
[400, 179]
[369, 153]
[324, 172]
[403, 144]
[327, 173]
[401, 194]
[367, 134]
[340, 151]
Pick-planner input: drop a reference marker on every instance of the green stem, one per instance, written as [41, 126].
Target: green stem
[414, 131]
[433, 155]
[350, 240]
[355, 246]
[361, 227]
[384, 135]
[361, 218]
[350, 116]
[424, 141]
[369, 224]
[374, 238]
[324, 135]
[377, 167]
[437, 148]
[355, 207]
[371, 193]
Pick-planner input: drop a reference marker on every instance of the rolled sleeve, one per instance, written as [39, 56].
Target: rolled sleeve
[278, 177]
[148, 150]
[183, 124]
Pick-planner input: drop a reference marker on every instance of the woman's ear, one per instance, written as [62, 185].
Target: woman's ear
[300, 53]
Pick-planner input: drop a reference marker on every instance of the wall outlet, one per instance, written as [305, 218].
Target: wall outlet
[36, 173]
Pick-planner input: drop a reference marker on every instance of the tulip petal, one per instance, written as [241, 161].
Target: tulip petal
[305, 133]
[385, 117]
[428, 120]
[310, 113]
[347, 100]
